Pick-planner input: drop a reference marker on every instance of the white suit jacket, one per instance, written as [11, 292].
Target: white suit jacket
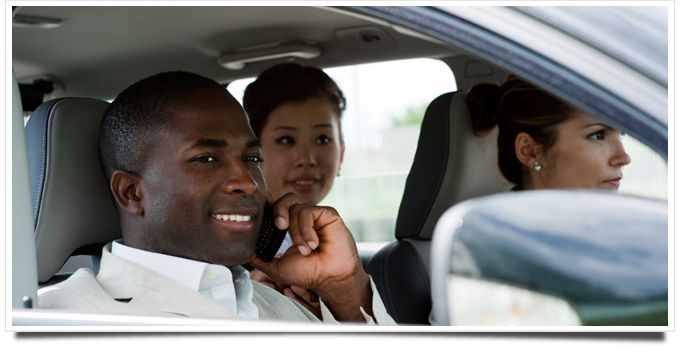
[124, 288]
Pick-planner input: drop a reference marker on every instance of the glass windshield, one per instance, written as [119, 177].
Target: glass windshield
[636, 35]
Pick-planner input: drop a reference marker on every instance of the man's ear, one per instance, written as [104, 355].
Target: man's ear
[126, 188]
[526, 149]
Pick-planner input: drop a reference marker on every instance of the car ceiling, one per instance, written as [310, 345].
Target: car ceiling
[98, 51]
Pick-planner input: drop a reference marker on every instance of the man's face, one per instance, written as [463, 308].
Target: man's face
[203, 188]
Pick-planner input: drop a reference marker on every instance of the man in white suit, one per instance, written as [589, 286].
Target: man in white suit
[183, 168]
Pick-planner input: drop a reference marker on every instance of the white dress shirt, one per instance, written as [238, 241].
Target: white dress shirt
[214, 281]
[285, 244]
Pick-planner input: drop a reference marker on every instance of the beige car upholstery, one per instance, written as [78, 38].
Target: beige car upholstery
[72, 206]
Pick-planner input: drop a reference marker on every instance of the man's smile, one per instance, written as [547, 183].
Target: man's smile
[235, 221]
[231, 217]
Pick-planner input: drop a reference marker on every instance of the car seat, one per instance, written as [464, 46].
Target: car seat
[451, 164]
[73, 210]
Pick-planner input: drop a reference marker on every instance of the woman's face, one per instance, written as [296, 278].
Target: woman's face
[301, 149]
[587, 154]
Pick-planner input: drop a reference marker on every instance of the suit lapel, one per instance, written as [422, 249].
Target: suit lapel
[124, 280]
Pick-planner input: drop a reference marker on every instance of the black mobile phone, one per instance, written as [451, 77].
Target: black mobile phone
[270, 237]
[269, 241]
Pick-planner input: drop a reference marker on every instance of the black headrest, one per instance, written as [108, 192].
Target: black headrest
[451, 164]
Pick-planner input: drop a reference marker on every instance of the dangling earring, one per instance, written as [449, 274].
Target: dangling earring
[537, 167]
[338, 172]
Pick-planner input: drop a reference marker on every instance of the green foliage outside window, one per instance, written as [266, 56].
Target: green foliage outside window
[413, 116]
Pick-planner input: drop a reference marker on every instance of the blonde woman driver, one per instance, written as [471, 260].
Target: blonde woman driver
[295, 111]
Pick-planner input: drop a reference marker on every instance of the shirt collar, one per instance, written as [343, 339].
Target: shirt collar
[214, 281]
[183, 271]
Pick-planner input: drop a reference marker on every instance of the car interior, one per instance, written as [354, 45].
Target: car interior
[401, 269]
[62, 133]
[64, 163]
[87, 55]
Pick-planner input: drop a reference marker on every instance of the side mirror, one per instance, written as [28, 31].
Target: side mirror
[552, 257]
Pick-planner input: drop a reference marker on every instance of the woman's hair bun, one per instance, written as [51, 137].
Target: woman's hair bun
[483, 101]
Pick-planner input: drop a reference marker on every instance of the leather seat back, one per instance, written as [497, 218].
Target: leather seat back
[72, 205]
[451, 164]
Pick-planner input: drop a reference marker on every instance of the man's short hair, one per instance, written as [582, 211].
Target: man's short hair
[138, 114]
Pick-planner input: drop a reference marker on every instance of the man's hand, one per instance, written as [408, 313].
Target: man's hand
[323, 258]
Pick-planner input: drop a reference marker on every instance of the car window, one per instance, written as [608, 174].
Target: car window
[647, 173]
[636, 35]
[385, 107]
[379, 152]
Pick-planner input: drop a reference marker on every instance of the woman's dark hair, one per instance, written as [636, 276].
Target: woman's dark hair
[289, 82]
[516, 106]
